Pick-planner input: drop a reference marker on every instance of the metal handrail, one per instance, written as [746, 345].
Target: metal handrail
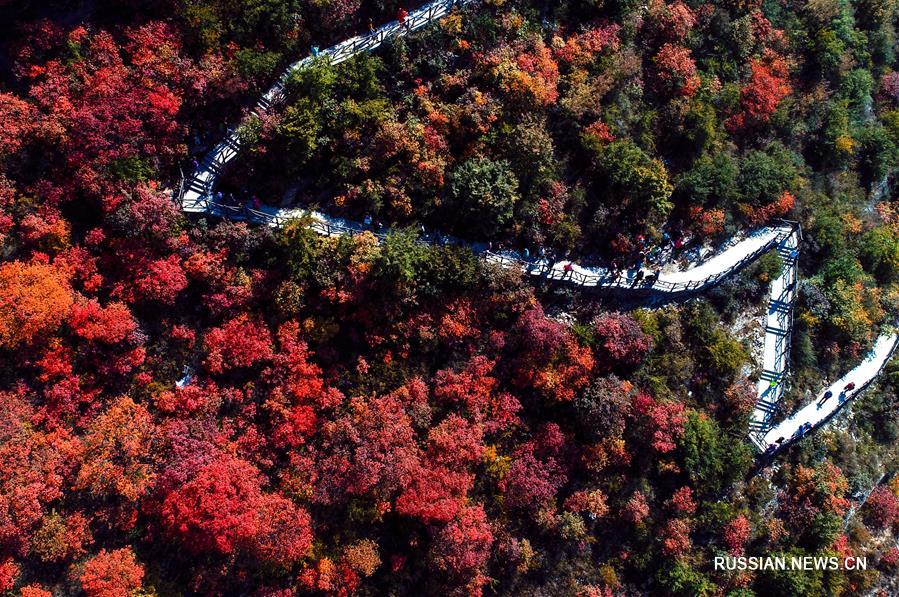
[543, 267]
[335, 54]
[593, 279]
[783, 343]
[857, 392]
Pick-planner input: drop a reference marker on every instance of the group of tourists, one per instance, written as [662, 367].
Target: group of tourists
[806, 427]
[843, 395]
[230, 200]
[616, 273]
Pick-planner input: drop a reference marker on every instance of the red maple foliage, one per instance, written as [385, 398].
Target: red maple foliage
[736, 533]
[780, 207]
[215, 510]
[882, 507]
[668, 22]
[436, 494]
[109, 324]
[370, 450]
[676, 70]
[241, 342]
[60, 538]
[116, 461]
[676, 537]
[636, 510]
[620, 340]
[592, 503]
[551, 362]
[112, 574]
[17, 117]
[476, 387]
[810, 492]
[283, 534]
[531, 483]
[768, 84]
[9, 572]
[455, 442]
[298, 390]
[579, 49]
[663, 421]
[116, 102]
[36, 298]
[461, 549]
[682, 501]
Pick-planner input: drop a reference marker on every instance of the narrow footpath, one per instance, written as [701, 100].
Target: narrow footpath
[196, 196]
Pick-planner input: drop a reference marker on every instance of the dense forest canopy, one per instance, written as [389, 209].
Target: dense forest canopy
[196, 406]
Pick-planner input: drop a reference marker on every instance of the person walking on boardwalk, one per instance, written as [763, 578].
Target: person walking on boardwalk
[824, 398]
[401, 15]
[638, 278]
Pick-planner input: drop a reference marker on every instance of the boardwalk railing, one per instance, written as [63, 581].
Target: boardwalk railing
[855, 394]
[178, 195]
[225, 151]
[549, 269]
[196, 195]
[768, 403]
[784, 344]
[538, 267]
[880, 369]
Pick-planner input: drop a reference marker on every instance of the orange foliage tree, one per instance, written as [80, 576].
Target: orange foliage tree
[112, 574]
[36, 298]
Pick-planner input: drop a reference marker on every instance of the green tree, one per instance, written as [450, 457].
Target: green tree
[726, 354]
[300, 129]
[682, 579]
[257, 65]
[890, 120]
[303, 122]
[856, 87]
[400, 259]
[828, 51]
[789, 583]
[764, 175]
[482, 195]
[302, 247]
[712, 181]
[879, 253]
[217, 22]
[635, 177]
[768, 267]
[710, 459]
[445, 269]
[837, 145]
[877, 154]
[531, 152]
[825, 527]
[701, 124]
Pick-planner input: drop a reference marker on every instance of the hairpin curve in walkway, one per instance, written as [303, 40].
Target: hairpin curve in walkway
[196, 196]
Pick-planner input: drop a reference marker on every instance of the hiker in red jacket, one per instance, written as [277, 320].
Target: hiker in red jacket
[401, 15]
